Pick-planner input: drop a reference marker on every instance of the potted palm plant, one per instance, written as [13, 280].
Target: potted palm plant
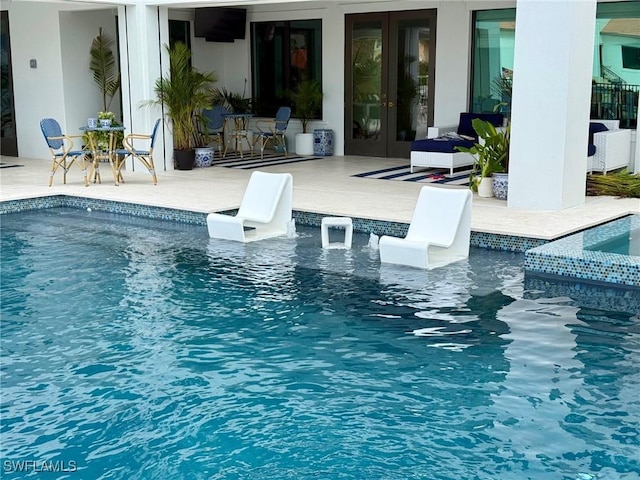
[307, 101]
[104, 67]
[491, 153]
[184, 93]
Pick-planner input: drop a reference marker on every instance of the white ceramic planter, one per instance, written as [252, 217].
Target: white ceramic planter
[304, 143]
[204, 157]
[485, 187]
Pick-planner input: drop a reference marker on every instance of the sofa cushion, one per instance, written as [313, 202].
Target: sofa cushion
[440, 145]
[591, 150]
[465, 126]
[596, 127]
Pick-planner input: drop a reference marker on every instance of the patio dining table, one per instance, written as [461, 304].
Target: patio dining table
[239, 131]
[100, 153]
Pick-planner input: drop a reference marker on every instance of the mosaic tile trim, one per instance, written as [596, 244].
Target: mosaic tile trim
[134, 209]
[36, 203]
[363, 225]
[589, 295]
[562, 258]
[492, 241]
[571, 257]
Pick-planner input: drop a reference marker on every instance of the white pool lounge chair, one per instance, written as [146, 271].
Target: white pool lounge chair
[439, 233]
[265, 210]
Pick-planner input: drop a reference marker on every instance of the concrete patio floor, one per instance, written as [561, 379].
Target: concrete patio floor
[324, 186]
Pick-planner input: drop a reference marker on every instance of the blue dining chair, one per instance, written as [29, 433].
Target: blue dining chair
[212, 126]
[61, 148]
[139, 147]
[272, 131]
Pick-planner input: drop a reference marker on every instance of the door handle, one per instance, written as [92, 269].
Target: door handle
[391, 104]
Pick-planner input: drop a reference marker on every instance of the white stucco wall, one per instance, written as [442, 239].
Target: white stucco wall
[60, 35]
[61, 86]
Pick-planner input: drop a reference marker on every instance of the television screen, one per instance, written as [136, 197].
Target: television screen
[220, 24]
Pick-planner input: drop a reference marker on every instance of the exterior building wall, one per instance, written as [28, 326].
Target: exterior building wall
[58, 35]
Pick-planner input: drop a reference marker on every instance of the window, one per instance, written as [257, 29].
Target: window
[493, 48]
[630, 57]
[282, 55]
[179, 31]
[616, 66]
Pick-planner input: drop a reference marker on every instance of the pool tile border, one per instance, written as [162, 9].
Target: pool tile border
[562, 258]
[570, 257]
[364, 225]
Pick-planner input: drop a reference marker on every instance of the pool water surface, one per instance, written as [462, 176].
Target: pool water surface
[141, 349]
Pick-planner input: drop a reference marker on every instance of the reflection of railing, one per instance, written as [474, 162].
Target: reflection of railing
[613, 101]
[610, 75]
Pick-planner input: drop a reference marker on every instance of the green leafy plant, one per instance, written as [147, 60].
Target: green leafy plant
[183, 93]
[491, 152]
[235, 102]
[104, 66]
[307, 101]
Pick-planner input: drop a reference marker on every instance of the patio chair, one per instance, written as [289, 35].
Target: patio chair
[439, 233]
[212, 129]
[609, 146]
[439, 150]
[143, 152]
[265, 210]
[272, 131]
[61, 148]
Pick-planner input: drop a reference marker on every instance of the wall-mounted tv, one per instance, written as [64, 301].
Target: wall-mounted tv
[220, 24]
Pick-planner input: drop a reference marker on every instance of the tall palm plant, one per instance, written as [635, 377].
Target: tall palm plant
[307, 101]
[184, 93]
[104, 66]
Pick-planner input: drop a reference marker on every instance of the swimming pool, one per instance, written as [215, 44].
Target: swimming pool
[140, 349]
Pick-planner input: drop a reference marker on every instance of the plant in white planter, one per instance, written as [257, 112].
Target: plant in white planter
[307, 101]
[491, 153]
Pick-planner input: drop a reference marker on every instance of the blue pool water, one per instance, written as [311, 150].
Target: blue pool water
[627, 243]
[139, 349]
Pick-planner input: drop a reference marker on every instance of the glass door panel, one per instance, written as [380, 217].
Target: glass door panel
[9, 142]
[389, 81]
[410, 111]
[365, 84]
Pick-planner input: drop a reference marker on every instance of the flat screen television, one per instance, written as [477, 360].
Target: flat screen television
[220, 24]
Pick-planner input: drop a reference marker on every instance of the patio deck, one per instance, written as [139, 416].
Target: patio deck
[324, 186]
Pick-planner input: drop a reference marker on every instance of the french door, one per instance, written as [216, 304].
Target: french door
[9, 141]
[389, 66]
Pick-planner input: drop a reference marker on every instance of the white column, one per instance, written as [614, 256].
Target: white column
[452, 70]
[551, 101]
[141, 29]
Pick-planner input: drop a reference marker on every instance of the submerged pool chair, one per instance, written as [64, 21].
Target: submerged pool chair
[212, 127]
[439, 233]
[272, 131]
[265, 210]
[138, 153]
[61, 148]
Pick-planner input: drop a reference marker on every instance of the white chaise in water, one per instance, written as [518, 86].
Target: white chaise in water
[265, 210]
[439, 233]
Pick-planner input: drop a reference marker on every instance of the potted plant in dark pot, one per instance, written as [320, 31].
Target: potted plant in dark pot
[184, 93]
[307, 101]
[491, 153]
